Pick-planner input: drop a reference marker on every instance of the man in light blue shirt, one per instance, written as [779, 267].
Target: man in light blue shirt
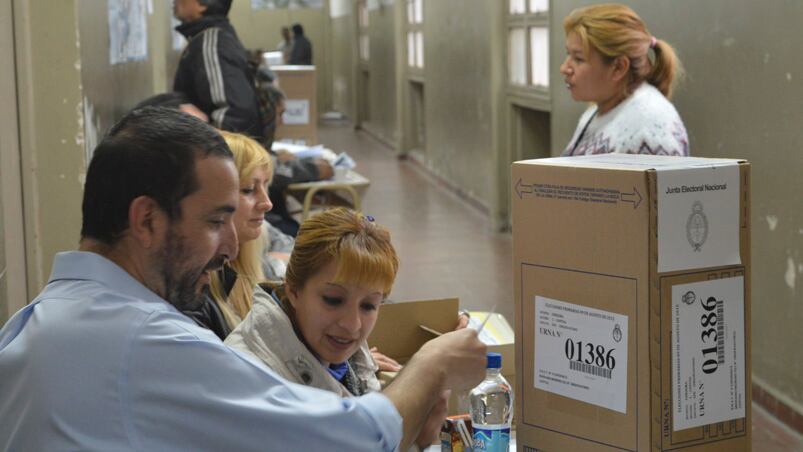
[103, 359]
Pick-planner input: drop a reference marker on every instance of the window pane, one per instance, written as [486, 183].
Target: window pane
[518, 6]
[365, 48]
[537, 6]
[419, 11]
[517, 56]
[411, 49]
[364, 15]
[539, 55]
[410, 11]
[419, 49]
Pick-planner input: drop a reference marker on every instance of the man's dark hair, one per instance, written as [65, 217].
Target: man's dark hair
[216, 7]
[150, 152]
[172, 99]
[298, 30]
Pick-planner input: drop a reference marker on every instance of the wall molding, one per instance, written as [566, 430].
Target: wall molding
[778, 405]
[418, 161]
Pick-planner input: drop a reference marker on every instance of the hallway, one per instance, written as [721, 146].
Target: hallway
[448, 249]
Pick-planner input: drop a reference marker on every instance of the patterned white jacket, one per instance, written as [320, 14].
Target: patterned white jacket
[644, 123]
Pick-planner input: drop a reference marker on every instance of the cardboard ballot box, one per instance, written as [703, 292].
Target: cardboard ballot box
[402, 328]
[632, 289]
[300, 119]
[398, 331]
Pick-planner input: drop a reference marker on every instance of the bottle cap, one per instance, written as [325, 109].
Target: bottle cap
[494, 360]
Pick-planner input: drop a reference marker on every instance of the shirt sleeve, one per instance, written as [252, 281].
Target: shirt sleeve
[232, 94]
[183, 389]
[294, 171]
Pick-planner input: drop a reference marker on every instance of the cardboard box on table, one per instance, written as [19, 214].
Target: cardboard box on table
[300, 119]
[398, 333]
[632, 290]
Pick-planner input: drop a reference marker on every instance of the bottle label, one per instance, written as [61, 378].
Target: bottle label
[491, 439]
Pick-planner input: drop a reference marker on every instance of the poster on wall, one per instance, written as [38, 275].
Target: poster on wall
[128, 31]
[91, 126]
[282, 4]
[339, 8]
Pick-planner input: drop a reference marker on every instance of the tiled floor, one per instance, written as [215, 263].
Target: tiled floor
[447, 248]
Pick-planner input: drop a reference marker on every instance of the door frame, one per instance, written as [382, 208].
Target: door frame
[14, 268]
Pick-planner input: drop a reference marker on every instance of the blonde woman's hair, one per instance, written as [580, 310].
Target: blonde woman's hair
[361, 248]
[615, 30]
[248, 156]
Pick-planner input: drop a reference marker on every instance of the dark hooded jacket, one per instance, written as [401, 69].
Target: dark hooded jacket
[214, 75]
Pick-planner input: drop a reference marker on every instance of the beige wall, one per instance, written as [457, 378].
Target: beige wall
[67, 96]
[742, 98]
[342, 58]
[261, 29]
[13, 286]
[381, 67]
[108, 90]
[458, 95]
[51, 130]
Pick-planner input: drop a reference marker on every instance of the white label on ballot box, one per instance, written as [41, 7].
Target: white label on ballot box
[296, 112]
[581, 353]
[708, 372]
[698, 217]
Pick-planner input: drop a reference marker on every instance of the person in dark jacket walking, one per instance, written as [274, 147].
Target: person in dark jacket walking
[213, 72]
[301, 53]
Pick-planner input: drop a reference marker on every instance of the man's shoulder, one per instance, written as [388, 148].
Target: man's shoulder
[90, 301]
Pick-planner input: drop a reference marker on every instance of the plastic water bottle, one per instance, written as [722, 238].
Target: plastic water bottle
[492, 409]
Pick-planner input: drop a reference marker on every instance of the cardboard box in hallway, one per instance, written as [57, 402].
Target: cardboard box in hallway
[300, 119]
[632, 291]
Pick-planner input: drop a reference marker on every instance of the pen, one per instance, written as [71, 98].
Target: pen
[490, 313]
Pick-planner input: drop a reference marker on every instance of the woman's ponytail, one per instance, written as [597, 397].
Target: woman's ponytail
[666, 68]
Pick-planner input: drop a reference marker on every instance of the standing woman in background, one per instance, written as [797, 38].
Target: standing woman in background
[628, 74]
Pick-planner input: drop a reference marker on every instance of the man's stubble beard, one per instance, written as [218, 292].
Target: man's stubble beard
[179, 285]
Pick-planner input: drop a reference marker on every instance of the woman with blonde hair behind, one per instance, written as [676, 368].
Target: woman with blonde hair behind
[232, 289]
[629, 75]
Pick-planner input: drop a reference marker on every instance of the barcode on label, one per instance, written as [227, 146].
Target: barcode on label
[720, 332]
[589, 369]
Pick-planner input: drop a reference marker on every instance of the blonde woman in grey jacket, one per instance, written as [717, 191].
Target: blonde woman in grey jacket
[312, 329]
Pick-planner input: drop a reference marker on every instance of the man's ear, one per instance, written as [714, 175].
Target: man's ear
[146, 221]
[621, 67]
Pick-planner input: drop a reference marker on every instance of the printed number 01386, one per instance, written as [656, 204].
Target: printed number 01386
[588, 353]
[709, 334]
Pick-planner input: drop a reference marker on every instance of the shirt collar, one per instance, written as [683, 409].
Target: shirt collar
[190, 29]
[89, 266]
